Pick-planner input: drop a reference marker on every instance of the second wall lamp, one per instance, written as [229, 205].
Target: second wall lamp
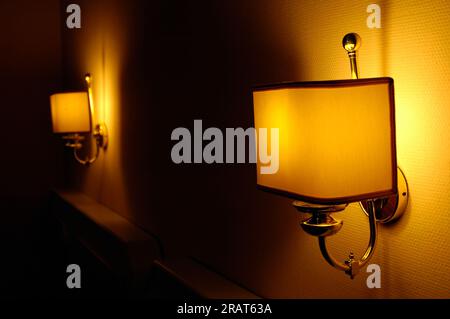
[73, 116]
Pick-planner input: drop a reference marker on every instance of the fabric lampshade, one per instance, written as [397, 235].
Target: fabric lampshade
[70, 112]
[336, 139]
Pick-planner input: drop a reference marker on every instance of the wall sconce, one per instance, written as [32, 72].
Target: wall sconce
[73, 116]
[336, 146]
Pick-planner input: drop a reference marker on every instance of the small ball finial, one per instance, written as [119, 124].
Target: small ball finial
[351, 42]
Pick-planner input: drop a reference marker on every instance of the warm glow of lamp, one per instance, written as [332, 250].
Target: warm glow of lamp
[336, 146]
[336, 139]
[70, 112]
[73, 113]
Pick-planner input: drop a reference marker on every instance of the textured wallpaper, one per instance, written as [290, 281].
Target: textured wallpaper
[218, 50]
[413, 47]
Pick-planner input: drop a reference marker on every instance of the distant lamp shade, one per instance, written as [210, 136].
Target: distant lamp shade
[70, 112]
[336, 139]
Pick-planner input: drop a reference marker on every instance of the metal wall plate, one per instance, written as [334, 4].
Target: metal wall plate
[391, 208]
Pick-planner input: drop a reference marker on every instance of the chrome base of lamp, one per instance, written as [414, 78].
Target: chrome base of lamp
[320, 223]
[74, 140]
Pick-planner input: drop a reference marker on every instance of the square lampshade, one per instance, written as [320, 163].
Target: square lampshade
[70, 112]
[336, 139]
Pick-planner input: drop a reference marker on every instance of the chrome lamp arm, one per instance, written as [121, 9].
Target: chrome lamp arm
[379, 210]
[86, 161]
[351, 266]
[98, 144]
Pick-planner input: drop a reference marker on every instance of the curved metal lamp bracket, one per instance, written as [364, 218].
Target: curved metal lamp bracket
[322, 224]
[100, 136]
[351, 266]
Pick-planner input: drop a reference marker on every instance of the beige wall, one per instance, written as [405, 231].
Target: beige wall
[160, 65]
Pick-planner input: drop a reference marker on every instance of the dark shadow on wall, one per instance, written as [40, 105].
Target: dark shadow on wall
[30, 161]
[189, 60]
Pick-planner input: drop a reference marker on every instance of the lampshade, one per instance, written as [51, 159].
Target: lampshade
[70, 112]
[336, 139]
